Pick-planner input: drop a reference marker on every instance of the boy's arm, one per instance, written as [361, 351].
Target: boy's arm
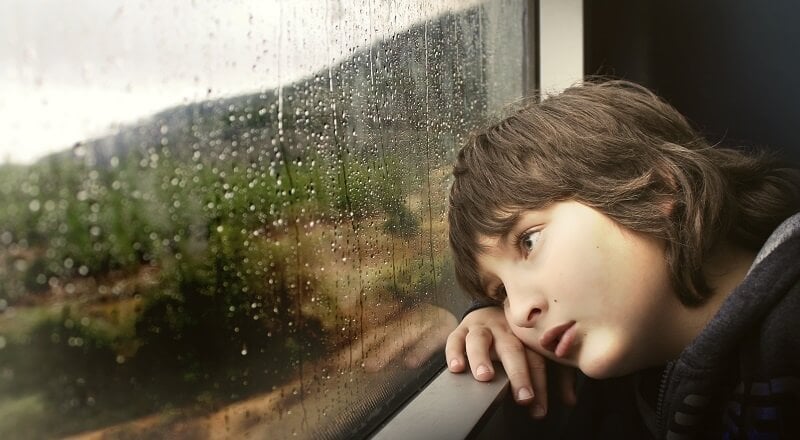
[484, 335]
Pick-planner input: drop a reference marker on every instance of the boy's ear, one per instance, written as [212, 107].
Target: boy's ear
[669, 182]
[668, 206]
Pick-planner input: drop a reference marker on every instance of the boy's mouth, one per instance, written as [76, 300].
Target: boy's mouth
[558, 339]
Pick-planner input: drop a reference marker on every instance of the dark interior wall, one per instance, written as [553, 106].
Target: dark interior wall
[731, 66]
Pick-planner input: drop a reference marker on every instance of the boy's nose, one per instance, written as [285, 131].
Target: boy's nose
[525, 309]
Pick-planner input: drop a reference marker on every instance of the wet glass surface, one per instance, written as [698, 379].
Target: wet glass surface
[228, 220]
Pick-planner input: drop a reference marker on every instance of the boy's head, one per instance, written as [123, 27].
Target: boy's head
[618, 148]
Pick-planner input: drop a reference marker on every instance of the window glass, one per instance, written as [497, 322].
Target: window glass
[227, 219]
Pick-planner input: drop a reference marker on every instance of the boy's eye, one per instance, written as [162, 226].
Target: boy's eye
[528, 241]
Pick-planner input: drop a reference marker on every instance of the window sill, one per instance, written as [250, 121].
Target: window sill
[452, 406]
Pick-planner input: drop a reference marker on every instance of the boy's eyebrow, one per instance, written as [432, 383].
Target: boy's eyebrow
[511, 228]
[511, 232]
[505, 229]
[507, 225]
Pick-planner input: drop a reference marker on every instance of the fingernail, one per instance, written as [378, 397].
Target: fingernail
[454, 363]
[539, 411]
[483, 370]
[524, 394]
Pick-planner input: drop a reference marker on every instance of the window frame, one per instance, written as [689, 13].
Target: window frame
[456, 405]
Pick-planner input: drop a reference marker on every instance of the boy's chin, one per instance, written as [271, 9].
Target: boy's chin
[604, 366]
[599, 373]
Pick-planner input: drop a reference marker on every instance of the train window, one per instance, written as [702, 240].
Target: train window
[227, 219]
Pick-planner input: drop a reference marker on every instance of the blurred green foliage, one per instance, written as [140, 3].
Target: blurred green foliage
[225, 318]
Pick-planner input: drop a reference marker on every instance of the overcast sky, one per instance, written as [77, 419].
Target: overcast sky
[71, 70]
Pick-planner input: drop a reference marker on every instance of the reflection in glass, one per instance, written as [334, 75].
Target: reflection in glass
[263, 255]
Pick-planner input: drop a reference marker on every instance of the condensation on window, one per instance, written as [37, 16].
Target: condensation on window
[227, 219]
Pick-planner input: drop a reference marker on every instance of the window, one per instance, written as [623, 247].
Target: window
[230, 219]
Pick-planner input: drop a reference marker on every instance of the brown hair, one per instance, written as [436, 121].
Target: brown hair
[616, 147]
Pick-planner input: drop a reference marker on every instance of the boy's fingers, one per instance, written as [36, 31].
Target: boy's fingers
[455, 348]
[512, 354]
[479, 343]
[538, 368]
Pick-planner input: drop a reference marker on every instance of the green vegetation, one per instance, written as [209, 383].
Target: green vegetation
[208, 325]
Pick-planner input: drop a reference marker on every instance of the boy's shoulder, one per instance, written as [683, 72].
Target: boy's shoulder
[767, 390]
[785, 231]
[766, 396]
[765, 305]
[779, 332]
[774, 294]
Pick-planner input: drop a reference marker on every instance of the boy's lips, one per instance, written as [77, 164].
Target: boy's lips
[558, 339]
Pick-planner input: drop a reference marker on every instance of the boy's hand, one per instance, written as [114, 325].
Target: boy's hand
[484, 335]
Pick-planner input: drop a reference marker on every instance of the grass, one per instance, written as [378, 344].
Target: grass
[22, 416]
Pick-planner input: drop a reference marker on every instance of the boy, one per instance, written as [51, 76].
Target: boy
[599, 230]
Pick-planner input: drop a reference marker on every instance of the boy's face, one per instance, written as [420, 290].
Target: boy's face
[581, 289]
